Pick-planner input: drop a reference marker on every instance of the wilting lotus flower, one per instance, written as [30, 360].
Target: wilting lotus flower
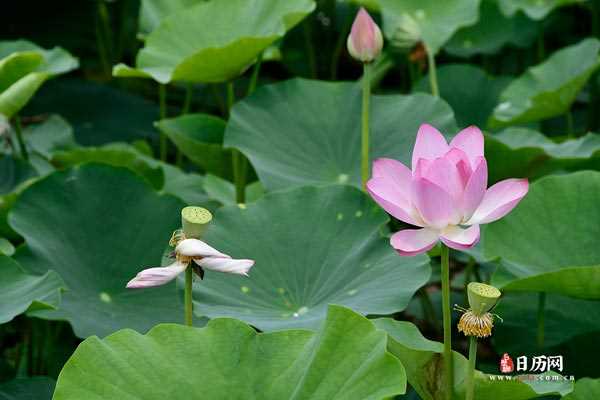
[445, 194]
[365, 40]
[187, 251]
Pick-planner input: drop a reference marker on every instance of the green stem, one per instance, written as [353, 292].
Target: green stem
[470, 382]
[310, 48]
[237, 159]
[427, 306]
[339, 46]
[19, 133]
[104, 38]
[366, 97]
[162, 98]
[433, 82]
[540, 319]
[448, 376]
[187, 100]
[255, 74]
[189, 305]
[570, 125]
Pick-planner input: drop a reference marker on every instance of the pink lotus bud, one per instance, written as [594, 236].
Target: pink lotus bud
[365, 40]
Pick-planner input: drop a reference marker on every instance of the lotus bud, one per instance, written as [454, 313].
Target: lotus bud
[365, 40]
[477, 320]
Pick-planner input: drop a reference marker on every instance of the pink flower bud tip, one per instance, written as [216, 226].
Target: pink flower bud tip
[365, 40]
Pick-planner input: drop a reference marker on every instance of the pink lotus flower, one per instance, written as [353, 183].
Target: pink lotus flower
[365, 40]
[445, 194]
[187, 251]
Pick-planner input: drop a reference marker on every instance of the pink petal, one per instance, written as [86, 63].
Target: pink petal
[430, 144]
[434, 203]
[410, 242]
[459, 238]
[475, 189]
[390, 187]
[463, 165]
[228, 265]
[499, 200]
[469, 140]
[156, 276]
[444, 174]
[197, 248]
[366, 40]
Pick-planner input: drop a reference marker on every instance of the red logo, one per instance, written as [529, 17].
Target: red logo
[506, 364]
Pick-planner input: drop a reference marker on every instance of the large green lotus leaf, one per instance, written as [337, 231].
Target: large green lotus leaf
[565, 319]
[422, 359]
[20, 291]
[228, 360]
[312, 247]
[492, 32]
[585, 389]
[14, 172]
[214, 41]
[535, 9]
[24, 67]
[469, 90]
[96, 111]
[200, 138]
[548, 89]
[36, 388]
[431, 21]
[527, 153]
[308, 132]
[224, 191]
[152, 12]
[97, 226]
[51, 135]
[549, 242]
[116, 154]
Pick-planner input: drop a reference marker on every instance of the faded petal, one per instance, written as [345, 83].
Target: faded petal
[228, 265]
[365, 40]
[460, 239]
[410, 242]
[434, 203]
[197, 248]
[475, 189]
[470, 140]
[156, 276]
[499, 200]
[430, 144]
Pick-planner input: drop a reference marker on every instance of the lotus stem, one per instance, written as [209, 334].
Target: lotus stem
[540, 319]
[237, 158]
[162, 99]
[19, 133]
[255, 75]
[570, 124]
[187, 101]
[470, 381]
[448, 376]
[366, 97]
[433, 74]
[194, 221]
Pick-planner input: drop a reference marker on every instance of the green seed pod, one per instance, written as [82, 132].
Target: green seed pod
[482, 297]
[194, 221]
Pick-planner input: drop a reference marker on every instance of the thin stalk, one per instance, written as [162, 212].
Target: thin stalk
[570, 124]
[189, 305]
[237, 159]
[366, 98]
[19, 133]
[470, 381]
[310, 48]
[255, 74]
[427, 306]
[433, 81]
[540, 319]
[162, 98]
[187, 100]
[448, 376]
[104, 38]
[339, 46]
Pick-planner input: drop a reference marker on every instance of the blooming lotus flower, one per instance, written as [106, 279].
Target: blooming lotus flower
[186, 252]
[365, 40]
[445, 194]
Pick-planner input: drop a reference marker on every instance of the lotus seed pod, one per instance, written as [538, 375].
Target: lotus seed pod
[482, 297]
[194, 221]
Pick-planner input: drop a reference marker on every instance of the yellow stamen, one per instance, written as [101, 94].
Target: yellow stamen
[472, 324]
